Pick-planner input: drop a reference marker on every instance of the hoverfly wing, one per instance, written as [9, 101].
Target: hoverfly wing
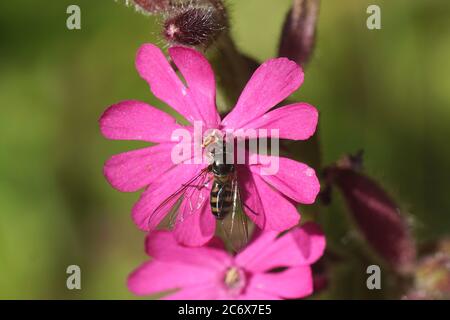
[192, 200]
[174, 203]
[235, 225]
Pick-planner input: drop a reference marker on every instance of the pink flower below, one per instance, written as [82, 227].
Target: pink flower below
[270, 267]
[270, 197]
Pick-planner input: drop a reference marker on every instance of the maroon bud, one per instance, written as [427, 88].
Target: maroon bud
[320, 282]
[321, 274]
[299, 31]
[196, 24]
[376, 214]
[153, 6]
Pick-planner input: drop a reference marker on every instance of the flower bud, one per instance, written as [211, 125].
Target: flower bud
[299, 31]
[321, 278]
[432, 275]
[320, 282]
[376, 214]
[197, 23]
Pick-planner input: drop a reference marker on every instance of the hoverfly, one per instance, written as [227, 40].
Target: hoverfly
[221, 180]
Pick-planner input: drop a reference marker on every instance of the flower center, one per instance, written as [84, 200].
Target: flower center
[234, 280]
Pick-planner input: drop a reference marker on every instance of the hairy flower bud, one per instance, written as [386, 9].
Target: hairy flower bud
[299, 31]
[432, 275]
[197, 23]
[376, 214]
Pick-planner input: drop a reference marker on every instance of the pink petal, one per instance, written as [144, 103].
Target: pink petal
[162, 246]
[144, 212]
[310, 240]
[155, 276]
[291, 283]
[199, 77]
[255, 248]
[267, 208]
[272, 82]
[153, 67]
[294, 179]
[133, 170]
[196, 223]
[216, 243]
[296, 122]
[135, 120]
[250, 197]
[299, 247]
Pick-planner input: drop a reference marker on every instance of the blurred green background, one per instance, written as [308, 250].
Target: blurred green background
[385, 91]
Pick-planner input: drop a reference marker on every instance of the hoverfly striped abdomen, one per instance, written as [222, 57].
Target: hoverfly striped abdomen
[222, 198]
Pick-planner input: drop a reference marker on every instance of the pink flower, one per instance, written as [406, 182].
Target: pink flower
[270, 197]
[207, 273]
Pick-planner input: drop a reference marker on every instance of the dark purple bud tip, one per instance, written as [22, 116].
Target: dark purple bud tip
[195, 25]
[153, 6]
[376, 214]
[299, 31]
